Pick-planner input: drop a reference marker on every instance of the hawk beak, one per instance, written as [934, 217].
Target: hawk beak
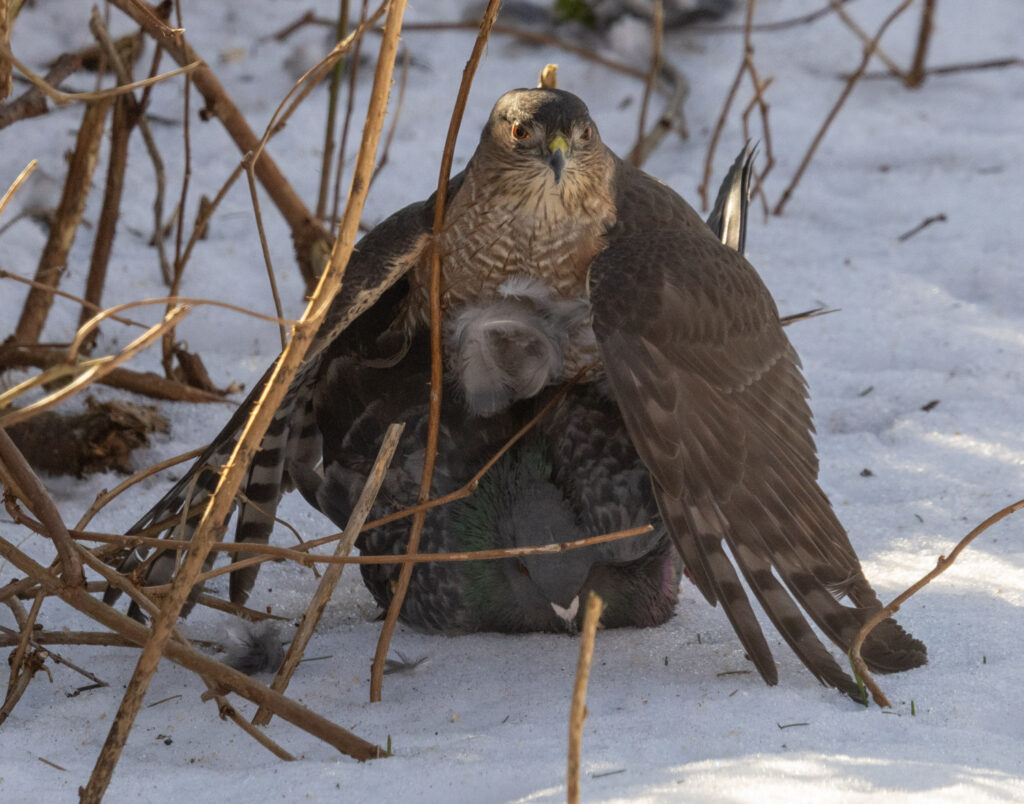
[558, 148]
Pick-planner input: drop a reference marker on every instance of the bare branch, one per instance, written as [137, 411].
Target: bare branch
[273, 392]
[32, 491]
[915, 76]
[53, 260]
[32, 103]
[325, 590]
[84, 373]
[436, 361]
[943, 563]
[745, 62]
[578, 708]
[869, 49]
[16, 184]
[63, 98]
[657, 31]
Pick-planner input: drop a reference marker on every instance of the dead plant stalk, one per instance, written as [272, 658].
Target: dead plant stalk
[331, 577]
[85, 373]
[578, 708]
[180, 653]
[252, 433]
[869, 50]
[16, 184]
[53, 260]
[943, 563]
[64, 98]
[746, 64]
[306, 232]
[16, 471]
[657, 30]
[436, 361]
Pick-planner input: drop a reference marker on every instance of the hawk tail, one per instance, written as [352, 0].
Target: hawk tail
[291, 437]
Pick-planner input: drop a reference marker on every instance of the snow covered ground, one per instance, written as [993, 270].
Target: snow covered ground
[937, 317]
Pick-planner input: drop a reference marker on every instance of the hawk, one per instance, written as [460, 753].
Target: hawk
[556, 255]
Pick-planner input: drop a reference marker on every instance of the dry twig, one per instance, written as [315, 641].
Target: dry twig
[436, 361]
[939, 218]
[180, 653]
[104, 497]
[578, 709]
[16, 184]
[63, 98]
[17, 659]
[301, 555]
[178, 269]
[943, 563]
[308, 246]
[333, 90]
[88, 305]
[6, 25]
[534, 37]
[252, 433]
[228, 712]
[915, 76]
[145, 383]
[951, 69]
[865, 38]
[746, 65]
[53, 260]
[331, 577]
[32, 103]
[657, 31]
[37, 639]
[353, 77]
[84, 373]
[778, 25]
[19, 478]
[103, 639]
[395, 115]
[869, 50]
[671, 118]
[138, 117]
[125, 115]
[306, 232]
[250, 173]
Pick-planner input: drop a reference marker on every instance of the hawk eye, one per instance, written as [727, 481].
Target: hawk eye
[587, 132]
[519, 131]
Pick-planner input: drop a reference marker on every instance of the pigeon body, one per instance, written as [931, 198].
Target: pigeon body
[574, 476]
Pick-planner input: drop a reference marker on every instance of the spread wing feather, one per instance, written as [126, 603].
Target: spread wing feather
[711, 392]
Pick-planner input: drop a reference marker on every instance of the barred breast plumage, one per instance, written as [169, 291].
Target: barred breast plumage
[540, 230]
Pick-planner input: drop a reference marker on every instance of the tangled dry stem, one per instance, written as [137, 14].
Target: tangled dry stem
[578, 708]
[869, 50]
[303, 332]
[329, 582]
[436, 362]
[746, 67]
[941, 565]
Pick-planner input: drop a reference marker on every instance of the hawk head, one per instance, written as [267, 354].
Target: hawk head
[543, 144]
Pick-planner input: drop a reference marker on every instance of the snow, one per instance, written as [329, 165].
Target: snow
[675, 713]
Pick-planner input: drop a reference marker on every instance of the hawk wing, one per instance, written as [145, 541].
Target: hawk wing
[712, 395]
[365, 306]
